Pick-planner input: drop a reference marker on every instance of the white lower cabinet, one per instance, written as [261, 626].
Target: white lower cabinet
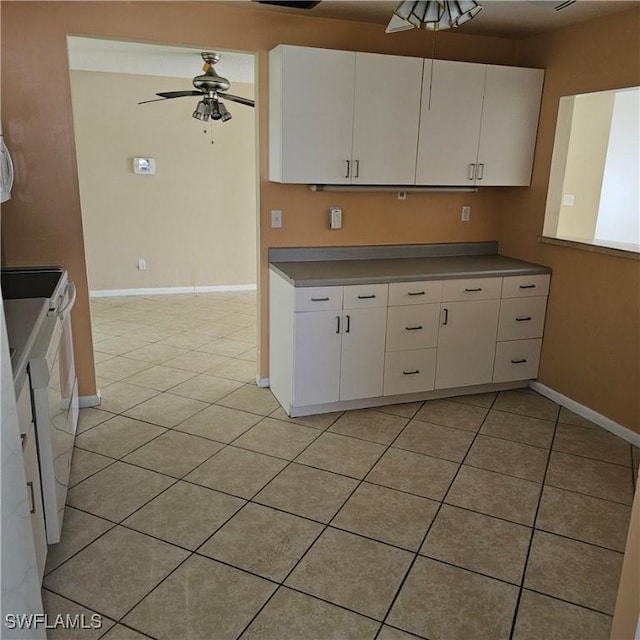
[349, 343]
[466, 343]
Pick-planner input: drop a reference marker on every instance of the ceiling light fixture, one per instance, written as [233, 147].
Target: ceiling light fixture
[434, 15]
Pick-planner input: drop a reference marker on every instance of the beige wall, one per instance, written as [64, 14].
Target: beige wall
[591, 349]
[586, 157]
[43, 223]
[194, 222]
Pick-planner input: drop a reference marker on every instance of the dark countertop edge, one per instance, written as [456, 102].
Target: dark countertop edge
[381, 252]
[24, 318]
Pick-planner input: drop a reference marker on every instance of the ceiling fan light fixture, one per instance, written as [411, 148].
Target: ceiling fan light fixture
[434, 15]
[203, 111]
[224, 112]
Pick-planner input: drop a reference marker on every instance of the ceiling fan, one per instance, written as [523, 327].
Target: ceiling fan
[210, 86]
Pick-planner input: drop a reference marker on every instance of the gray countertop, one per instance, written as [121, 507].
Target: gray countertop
[380, 270]
[24, 318]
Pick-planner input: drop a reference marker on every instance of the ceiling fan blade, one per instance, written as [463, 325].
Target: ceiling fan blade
[241, 100]
[178, 94]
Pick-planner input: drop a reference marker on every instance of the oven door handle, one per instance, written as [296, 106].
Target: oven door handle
[71, 286]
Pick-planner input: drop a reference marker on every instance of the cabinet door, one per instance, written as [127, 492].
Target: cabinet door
[450, 122]
[316, 373]
[362, 369]
[386, 116]
[466, 343]
[509, 126]
[310, 114]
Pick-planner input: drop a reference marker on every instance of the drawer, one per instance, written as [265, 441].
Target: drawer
[517, 360]
[525, 286]
[362, 296]
[409, 371]
[521, 318]
[401, 293]
[412, 327]
[318, 298]
[471, 289]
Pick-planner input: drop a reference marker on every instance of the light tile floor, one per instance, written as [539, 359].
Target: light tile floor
[199, 511]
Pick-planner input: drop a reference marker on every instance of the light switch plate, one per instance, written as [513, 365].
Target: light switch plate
[335, 218]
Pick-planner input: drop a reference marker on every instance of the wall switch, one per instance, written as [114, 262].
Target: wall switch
[335, 218]
[568, 199]
[142, 264]
[466, 214]
[276, 218]
[402, 195]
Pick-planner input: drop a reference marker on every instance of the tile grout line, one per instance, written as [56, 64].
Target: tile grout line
[426, 534]
[533, 532]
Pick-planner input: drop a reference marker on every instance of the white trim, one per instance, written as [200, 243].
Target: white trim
[381, 401]
[263, 383]
[154, 291]
[90, 401]
[589, 414]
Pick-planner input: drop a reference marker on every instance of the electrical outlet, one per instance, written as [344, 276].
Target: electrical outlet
[466, 214]
[276, 218]
[142, 264]
[335, 218]
[402, 195]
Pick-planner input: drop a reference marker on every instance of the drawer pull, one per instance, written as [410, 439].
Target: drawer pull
[527, 286]
[477, 289]
[445, 320]
[373, 295]
[416, 328]
[523, 319]
[320, 299]
[338, 327]
[348, 327]
[32, 498]
[519, 361]
[411, 373]
[416, 293]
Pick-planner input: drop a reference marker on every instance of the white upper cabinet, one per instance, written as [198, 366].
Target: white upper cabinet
[509, 126]
[310, 114]
[385, 119]
[341, 117]
[450, 122]
[478, 124]
[345, 117]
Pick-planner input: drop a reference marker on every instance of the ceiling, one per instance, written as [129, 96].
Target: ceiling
[505, 18]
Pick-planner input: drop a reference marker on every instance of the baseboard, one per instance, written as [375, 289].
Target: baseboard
[263, 383]
[90, 401]
[586, 412]
[157, 291]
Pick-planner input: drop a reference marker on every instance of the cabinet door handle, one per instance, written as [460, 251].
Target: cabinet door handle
[480, 171]
[416, 328]
[476, 289]
[446, 316]
[32, 499]
[373, 295]
[320, 299]
[472, 171]
[348, 168]
[523, 319]
[338, 326]
[348, 327]
[411, 373]
[416, 293]
[527, 286]
[519, 361]
[357, 169]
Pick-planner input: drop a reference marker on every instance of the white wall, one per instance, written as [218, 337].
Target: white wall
[194, 222]
[619, 214]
